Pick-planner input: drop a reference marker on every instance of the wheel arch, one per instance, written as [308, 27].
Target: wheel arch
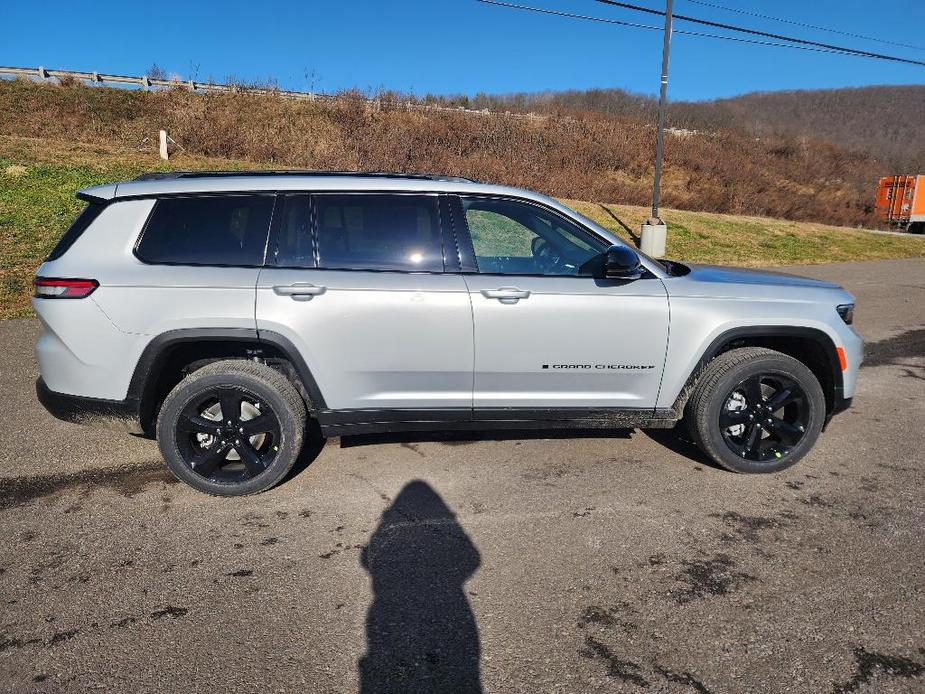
[811, 346]
[168, 356]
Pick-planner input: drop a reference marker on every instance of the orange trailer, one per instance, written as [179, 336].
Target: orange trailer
[901, 202]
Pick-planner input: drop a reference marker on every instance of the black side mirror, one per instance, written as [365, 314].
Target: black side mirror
[622, 263]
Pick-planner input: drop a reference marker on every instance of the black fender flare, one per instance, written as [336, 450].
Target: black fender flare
[752, 332]
[155, 353]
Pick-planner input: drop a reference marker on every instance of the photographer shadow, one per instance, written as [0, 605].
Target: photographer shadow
[420, 629]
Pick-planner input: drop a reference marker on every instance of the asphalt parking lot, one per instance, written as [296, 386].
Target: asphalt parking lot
[581, 563]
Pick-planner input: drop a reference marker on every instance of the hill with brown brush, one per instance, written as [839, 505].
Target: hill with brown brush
[883, 122]
[582, 155]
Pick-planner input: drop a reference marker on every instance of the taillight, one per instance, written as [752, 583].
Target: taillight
[53, 288]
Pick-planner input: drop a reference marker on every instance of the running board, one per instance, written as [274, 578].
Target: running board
[377, 421]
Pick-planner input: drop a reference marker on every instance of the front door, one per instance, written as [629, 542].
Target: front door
[359, 287]
[548, 334]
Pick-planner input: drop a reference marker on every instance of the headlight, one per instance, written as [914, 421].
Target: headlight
[846, 311]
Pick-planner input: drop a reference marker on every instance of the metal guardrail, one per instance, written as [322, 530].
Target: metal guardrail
[150, 82]
[146, 82]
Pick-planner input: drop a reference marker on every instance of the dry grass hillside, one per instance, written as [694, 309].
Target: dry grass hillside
[583, 155]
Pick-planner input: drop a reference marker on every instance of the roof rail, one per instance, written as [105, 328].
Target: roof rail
[173, 175]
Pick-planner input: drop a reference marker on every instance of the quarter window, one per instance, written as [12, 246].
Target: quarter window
[209, 230]
[378, 232]
[80, 225]
[516, 238]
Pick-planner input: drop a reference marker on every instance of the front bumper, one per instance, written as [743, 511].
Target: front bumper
[118, 414]
[839, 404]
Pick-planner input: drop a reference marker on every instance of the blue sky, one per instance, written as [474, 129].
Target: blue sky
[456, 46]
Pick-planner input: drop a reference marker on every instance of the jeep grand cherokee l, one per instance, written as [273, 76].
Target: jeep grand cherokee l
[221, 311]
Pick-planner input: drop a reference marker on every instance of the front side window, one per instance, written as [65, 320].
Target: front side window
[208, 230]
[378, 232]
[517, 238]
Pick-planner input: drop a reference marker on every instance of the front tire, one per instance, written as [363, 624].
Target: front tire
[756, 410]
[232, 428]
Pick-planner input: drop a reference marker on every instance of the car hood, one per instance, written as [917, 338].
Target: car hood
[733, 275]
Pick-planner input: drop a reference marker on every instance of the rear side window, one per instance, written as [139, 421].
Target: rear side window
[294, 244]
[226, 230]
[378, 232]
[84, 220]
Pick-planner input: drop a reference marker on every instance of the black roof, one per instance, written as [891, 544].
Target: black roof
[173, 175]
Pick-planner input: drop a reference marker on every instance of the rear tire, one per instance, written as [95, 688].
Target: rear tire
[756, 410]
[232, 428]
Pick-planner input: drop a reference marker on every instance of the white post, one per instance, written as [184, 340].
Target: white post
[654, 231]
[163, 147]
[653, 236]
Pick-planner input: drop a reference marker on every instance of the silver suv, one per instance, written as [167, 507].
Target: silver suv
[222, 312]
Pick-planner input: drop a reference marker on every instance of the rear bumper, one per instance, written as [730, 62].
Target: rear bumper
[118, 414]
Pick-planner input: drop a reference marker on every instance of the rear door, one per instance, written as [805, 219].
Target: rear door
[548, 333]
[358, 283]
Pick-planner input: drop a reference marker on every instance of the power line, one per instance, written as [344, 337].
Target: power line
[766, 34]
[634, 25]
[560, 13]
[804, 25]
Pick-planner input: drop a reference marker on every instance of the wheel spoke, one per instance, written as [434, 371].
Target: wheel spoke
[783, 397]
[230, 402]
[194, 424]
[729, 418]
[249, 457]
[261, 424]
[206, 462]
[752, 389]
[752, 434]
[785, 431]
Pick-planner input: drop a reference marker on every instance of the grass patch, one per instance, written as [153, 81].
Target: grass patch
[38, 179]
[703, 237]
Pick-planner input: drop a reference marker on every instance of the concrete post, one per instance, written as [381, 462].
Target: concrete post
[163, 143]
[652, 238]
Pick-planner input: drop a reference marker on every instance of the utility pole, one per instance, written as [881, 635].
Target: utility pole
[654, 231]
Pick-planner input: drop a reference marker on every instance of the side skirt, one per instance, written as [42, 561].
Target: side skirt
[374, 421]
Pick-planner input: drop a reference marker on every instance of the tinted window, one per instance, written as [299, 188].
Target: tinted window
[228, 230]
[516, 238]
[294, 246]
[84, 220]
[378, 232]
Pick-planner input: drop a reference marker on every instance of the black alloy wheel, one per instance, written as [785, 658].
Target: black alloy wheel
[764, 417]
[228, 435]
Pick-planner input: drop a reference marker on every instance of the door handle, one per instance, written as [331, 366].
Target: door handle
[506, 295]
[299, 291]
